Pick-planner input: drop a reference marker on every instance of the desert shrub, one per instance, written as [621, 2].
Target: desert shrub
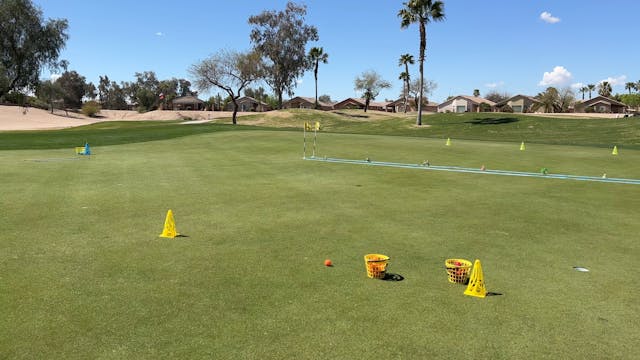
[91, 108]
[506, 109]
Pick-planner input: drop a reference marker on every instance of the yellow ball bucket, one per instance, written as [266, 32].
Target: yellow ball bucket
[376, 265]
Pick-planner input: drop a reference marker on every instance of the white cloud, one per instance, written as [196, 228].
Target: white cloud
[299, 81]
[159, 33]
[577, 85]
[494, 85]
[558, 77]
[618, 80]
[548, 18]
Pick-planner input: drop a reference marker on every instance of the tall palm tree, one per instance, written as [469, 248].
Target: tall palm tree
[476, 92]
[604, 89]
[316, 56]
[591, 88]
[638, 86]
[421, 12]
[406, 59]
[630, 86]
[584, 90]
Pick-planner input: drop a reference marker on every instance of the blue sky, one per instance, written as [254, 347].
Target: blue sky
[511, 46]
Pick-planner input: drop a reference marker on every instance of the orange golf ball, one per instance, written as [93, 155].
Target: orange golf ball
[328, 262]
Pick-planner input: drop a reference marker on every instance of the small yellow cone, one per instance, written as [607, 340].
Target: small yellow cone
[522, 148]
[604, 176]
[615, 150]
[169, 230]
[476, 282]
[448, 142]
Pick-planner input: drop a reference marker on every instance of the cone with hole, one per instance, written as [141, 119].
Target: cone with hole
[169, 230]
[448, 143]
[522, 147]
[476, 282]
[615, 150]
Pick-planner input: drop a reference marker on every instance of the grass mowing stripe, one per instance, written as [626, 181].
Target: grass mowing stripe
[477, 171]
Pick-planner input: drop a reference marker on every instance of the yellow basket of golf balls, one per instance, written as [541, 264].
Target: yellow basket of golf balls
[376, 265]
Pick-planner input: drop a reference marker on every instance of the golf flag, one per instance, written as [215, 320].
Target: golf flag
[317, 126]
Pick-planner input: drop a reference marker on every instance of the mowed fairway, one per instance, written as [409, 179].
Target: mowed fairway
[84, 275]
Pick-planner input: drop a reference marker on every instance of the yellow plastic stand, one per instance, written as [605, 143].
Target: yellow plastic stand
[522, 148]
[476, 282]
[169, 230]
[615, 150]
[448, 142]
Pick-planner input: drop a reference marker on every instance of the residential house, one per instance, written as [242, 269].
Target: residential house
[300, 102]
[518, 103]
[601, 104]
[352, 103]
[465, 103]
[398, 106]
[188, 102]
[247, 103]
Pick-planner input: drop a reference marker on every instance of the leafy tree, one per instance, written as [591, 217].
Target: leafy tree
[258, 94]
[406, 60]
[630, 86]
[325, 99]
[229, 71]
[370, 83]
[28, 43]
[50, 92]
[631, 100]
[476, 92]
[604, 89]
[281, 37]
[317, 56]
[591, 88]
[90, 91]
[74, 87]
[184, 87]
[496, 97]
[421, 12]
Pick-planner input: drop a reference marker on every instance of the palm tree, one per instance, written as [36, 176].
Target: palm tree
[317, 55]
[630, 86]
[476, 92]
[604, 89]
[638, 86]
[548, 100]
[421, 12]
[406, 59]
[584, 90]
[591, 88]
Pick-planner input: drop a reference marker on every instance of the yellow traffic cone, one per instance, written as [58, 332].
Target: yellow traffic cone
[169, 230]
[448, 142]
[476, 282]
[615, 150]
[522, 146]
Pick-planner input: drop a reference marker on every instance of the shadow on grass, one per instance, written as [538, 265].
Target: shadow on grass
[493, 121]
[393, 277]
[351, 115]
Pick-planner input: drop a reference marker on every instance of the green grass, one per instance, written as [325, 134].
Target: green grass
[83, 273]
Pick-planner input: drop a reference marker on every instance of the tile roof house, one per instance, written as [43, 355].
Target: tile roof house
[398, 106]
[300, 102]
[352, 103]
[601, 104]
[465, 103]
[518, 103]
[247, 103]
[188, 102]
